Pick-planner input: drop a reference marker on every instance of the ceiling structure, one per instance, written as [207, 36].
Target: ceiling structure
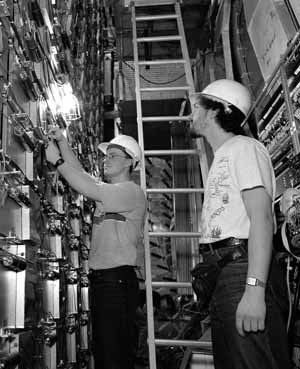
[194, 15]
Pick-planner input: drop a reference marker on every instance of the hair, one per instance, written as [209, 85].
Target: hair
[228, 118]
[131, 168]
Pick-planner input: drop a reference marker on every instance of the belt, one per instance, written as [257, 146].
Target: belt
[113, 274]
[227, 242]
[114, 216]
[111, 216]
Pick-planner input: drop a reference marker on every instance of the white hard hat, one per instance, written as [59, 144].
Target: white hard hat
[229, 91]
[127, 144]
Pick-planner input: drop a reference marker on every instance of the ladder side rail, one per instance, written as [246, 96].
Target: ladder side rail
[185, 53]
[149, 299]
[193, 182]
[195, 204]
[200, 142]
[186, 261]
[204, 167]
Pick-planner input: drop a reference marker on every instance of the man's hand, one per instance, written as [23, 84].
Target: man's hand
[56, 133]
[52, 152]
[251, 311]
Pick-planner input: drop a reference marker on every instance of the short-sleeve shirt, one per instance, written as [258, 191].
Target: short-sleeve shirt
[241, 163]
[118, 240]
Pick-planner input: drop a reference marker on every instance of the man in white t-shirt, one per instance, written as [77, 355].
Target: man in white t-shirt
[248, 325]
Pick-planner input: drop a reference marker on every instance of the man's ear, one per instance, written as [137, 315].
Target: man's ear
[208, 118]
[129, 162]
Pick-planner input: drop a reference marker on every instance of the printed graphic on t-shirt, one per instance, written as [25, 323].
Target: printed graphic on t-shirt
[217, 198]
[240, 164]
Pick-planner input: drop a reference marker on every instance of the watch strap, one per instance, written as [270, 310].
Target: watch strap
[59, 162]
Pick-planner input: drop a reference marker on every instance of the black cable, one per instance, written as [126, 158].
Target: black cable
[47, 59]
[161, 83]
[152, 82]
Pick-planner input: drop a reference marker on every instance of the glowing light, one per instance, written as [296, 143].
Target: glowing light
[61, 102]
[70, 107]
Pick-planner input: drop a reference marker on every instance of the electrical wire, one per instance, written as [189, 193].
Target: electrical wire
[286, 245]
[288, 268]
[48, 61]
[154, 82]
[160, 83]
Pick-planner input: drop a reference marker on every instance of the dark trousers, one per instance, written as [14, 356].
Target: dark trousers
[114, 300]
[263, 350]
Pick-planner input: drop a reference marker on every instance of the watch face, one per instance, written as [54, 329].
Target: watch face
[255, 282]
[251, 281]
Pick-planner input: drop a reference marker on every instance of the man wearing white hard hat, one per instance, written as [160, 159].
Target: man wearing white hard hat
[247, 314]
[117, 237]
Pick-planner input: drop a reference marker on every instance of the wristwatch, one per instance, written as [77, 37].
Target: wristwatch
[59, 162]
[251, 281]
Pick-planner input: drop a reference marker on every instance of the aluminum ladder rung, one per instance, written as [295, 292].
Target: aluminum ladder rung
[205, 345]
[156, 17]
[162, 61]
[172, 284]
[141, 3]
[167, 118]
[171, 152]
[169, 88]
[158, 38]
[174, 190]
[176, 234]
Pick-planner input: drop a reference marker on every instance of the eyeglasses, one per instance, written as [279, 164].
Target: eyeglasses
[113, 156]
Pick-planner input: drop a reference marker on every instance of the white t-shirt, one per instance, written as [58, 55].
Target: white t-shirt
[240, 163]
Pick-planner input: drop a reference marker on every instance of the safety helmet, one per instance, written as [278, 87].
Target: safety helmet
[126, 143]
[231, 92]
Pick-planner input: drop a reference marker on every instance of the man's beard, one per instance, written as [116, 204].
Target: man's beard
[194, 134]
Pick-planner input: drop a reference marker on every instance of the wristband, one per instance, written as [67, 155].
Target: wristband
[251, 281]
[59, 162]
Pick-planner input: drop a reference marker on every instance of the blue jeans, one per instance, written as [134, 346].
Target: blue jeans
[266, 349]
[114, 300]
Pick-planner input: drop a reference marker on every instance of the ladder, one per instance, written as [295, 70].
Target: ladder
[187, 88]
